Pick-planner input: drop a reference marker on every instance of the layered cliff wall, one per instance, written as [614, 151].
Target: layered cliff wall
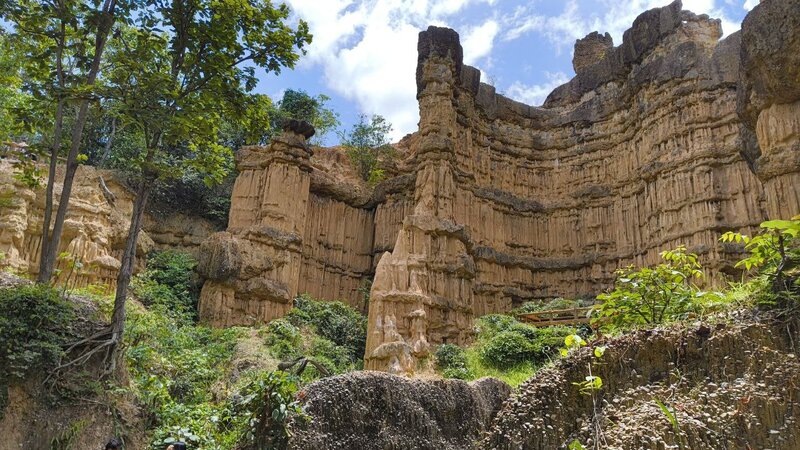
[95, 227]
[670, 138]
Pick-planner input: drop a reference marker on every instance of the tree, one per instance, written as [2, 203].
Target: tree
[68, 38]
[297, 104]
[175, 75]
[366, 144]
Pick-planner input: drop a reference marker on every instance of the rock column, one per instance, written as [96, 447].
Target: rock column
[422, 293]
[253, 268]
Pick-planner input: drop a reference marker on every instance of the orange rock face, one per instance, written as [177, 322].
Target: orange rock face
[95, 227]
[497, 202]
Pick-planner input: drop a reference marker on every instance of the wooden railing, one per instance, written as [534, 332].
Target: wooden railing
[557, 317]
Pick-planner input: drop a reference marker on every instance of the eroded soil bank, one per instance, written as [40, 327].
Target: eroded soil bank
[733, 383]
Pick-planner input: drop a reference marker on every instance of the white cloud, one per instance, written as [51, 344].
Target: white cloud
[368, 49]
[617, 17]
[537, 93]
[478, 41]
[750, 4]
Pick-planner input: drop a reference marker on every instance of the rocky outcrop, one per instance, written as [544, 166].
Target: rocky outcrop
[370, 410]
[95, 227]
[769, 101]
[496, 202]
[734, 384]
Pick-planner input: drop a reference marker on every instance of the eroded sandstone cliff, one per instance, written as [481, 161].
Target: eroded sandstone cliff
[95, 227]
[666, 139]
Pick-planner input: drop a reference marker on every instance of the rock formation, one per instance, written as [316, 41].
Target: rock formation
[732, 385]
[497, 202]
[95, 227]
[368, 410]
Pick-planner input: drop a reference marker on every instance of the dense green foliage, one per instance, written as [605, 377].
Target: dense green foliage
[775, 254]
[169, 281]
[269, 408]
[451, 360]
[504, 348]
[653, 295]
[503, 342]
[34, 322]
[366, 144]
[335, 321]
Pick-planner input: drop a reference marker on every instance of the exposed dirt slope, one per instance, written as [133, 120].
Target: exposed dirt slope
[373, 410]
[733, 385]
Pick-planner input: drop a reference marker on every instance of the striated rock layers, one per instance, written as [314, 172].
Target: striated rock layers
[369, 410]
[95, 227]
[497, 202]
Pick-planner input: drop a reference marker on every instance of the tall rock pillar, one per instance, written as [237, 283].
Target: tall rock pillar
[769, 102]
[422, 292]
[253, 268]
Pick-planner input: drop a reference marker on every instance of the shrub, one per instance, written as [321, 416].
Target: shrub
[174, 365]
[269, 410]
[504, 342]
[34, 320]
[169, 280]
[335, 321]
[654, 295]
[775, 253]
[452, 361]
[492, 324]
[33, 327]
[284, 339]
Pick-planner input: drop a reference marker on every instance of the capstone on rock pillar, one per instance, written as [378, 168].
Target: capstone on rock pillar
[252, 269]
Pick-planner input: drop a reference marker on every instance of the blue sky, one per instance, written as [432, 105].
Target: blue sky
[364, 51]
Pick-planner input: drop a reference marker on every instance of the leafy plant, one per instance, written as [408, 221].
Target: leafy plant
[270, 409]
[335, 321]
[33, 327]
[775, 253]
[673, 420]
[284, 338]
[503, 342]
[168, 280]
[366, 144]
[653, 295]
[452, 361]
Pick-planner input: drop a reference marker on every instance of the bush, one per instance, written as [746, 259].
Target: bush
[504, 342]
[174, 366]
[33, 327]
[284, 339]
[269, 410]
[34, 320]
[654, 295]
[775, 254]
[168, 280]
[335, 321]
[452, 361]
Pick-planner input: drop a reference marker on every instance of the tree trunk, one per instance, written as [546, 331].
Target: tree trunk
[48, 262]
[107, 149]
[128, 262]
[43, 277]
[51, 174]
